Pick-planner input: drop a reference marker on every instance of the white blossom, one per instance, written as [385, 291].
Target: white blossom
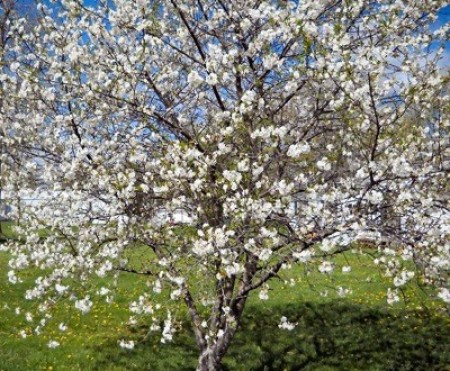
[194, 78]
[296, 150]
[403, 278]
[286, 325]
[84, 305]
[444, 294]
[212, 79]
[129, 345]
[303, 256]
[326, 267]
[263, 294]
[343, 292]
[62, 327]
[168, 330]
[392, 296]
[346, 269]
[52, 344]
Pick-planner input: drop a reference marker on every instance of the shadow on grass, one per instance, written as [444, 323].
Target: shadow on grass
[333, 336]
[343, 336]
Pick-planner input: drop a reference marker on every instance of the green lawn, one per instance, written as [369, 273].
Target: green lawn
[359, 332]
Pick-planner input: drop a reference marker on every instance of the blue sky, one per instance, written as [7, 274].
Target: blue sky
[444, 18]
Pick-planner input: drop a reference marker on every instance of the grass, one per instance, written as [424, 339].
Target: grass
[358, 332]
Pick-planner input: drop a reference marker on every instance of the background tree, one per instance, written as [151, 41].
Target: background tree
[228, 111]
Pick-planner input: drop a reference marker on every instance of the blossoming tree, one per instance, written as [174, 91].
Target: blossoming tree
[185, 131]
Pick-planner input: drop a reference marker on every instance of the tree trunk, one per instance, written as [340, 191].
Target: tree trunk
[209, 360]
[211, 355]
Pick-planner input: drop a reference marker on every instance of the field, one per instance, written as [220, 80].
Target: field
[358, 332]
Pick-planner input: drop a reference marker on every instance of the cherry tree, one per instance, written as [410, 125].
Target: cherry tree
[183, 132]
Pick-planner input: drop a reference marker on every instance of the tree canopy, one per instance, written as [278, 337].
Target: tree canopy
[221, 142]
